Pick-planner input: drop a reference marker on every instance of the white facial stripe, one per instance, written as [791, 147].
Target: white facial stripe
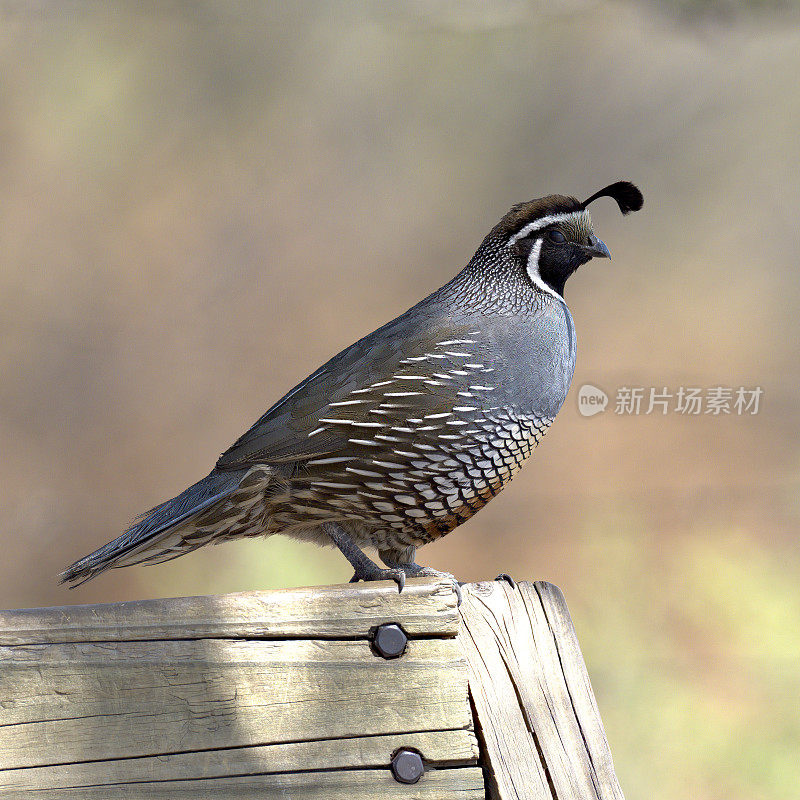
[533, 270]
[543, 223]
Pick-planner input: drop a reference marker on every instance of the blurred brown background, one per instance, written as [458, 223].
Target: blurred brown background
[201, 202]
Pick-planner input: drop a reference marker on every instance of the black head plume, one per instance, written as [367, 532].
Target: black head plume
[628, 196]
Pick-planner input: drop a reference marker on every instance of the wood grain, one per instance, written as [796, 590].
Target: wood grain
[511, 752]
[578, 685]
[81, 702]
[538, 717]
[444, 784]
[350, 611]
[280, 694]
[439, 749]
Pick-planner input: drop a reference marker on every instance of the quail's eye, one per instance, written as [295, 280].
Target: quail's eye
[556, 236]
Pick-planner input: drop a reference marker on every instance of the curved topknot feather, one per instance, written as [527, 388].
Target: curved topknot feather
[627, 195]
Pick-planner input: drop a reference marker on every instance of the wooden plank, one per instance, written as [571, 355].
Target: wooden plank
[510, 635]
[279, 694]
[438, 748]
[425, 607]
[444, 784]
[63, 703]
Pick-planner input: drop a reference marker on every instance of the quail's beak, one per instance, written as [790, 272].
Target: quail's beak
[597, 248]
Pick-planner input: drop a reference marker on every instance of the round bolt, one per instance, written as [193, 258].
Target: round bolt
[390, 640]
[407, 766]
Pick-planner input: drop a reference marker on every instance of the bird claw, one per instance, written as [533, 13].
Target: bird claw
[378, 574]
[508, 579]
[398, 576]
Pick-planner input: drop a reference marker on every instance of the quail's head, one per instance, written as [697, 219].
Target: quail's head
[551, 237]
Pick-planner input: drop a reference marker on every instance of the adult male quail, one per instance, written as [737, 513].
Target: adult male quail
[407, 433]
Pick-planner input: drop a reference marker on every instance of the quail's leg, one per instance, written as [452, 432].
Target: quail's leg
[365, 568]
[404, 560]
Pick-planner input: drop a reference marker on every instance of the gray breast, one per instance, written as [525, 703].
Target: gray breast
[534, 360]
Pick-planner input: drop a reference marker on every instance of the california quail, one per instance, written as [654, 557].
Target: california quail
[407, 433]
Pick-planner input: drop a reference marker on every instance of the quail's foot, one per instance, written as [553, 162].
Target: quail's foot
[376, 573]
[413, 570]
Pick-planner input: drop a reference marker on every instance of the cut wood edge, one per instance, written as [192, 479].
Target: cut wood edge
[579, 686]
[540, 715]
[512, 760]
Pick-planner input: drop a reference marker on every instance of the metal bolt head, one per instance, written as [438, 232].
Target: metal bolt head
[390, 640]
[407, 766]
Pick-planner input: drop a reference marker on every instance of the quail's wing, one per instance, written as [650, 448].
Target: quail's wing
[404, 369]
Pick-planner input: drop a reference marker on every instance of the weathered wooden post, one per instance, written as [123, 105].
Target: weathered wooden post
[350, 691]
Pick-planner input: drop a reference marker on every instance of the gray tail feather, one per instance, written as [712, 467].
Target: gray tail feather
[152, 525]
